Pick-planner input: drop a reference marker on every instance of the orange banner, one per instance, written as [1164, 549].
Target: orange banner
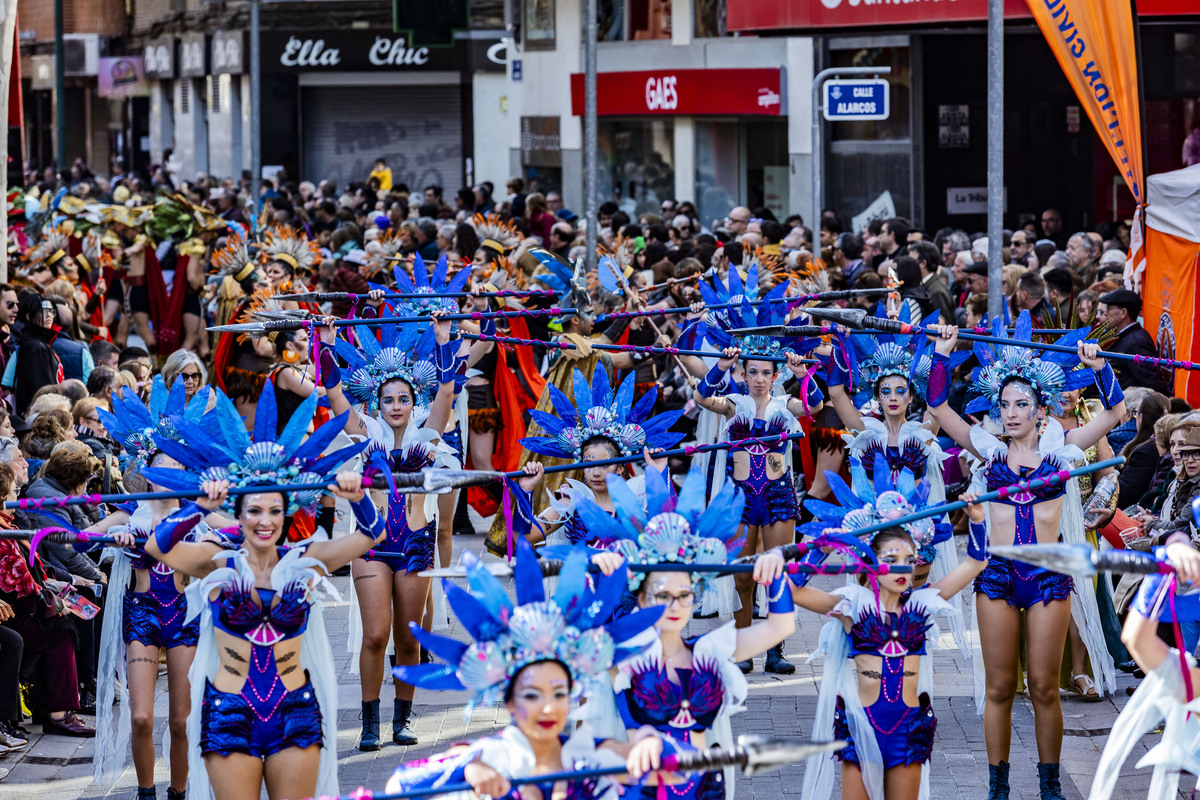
[1172, 286]
[1094, 43]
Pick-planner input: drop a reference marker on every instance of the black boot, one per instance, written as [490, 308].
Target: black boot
[369, 741]
[777, 663]
[146, 793]
[1048, 782]
[176, 794]
[998, 781]
[746, 666]
[402, 732]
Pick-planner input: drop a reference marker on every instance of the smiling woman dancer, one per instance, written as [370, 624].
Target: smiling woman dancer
[264, 693]
[1019, 387]
[533, 656]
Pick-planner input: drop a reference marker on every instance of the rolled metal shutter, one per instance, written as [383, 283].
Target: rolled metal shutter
[418, 129]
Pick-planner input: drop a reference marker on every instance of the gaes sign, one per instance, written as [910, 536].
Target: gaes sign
[862, 99]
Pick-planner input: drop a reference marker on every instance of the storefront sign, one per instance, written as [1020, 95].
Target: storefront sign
[358, 51]
[853, 100]
[122, 77]
[41, 75]
[954, 126]
[159, 58]
[227, 50]
[540, 142]
[969, 200]
[758, 15]
[193, 55]
[684, 91]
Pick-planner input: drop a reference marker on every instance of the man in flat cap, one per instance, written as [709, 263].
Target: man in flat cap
[1121, 313]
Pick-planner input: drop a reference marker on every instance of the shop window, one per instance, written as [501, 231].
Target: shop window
[865, 159]
[740, 163]
[539, 24]
[633, 20]
[710, 18]
[636, 163]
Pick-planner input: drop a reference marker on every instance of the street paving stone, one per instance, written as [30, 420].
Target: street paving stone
[58, 768]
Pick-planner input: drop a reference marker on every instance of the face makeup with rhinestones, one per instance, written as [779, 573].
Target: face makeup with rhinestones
[539, 701]
[396, 403]
[760, 375]
[893, 395]
[1020, 411]
[673, 592]
[596, 478]
[891, 549]
[262, 517]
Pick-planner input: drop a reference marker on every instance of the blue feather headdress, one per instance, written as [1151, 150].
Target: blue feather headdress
[564, 279]
[874, 498]
[1049, 373]
[402, 352]
[877, 356]
[599, 411]
[228, 453]
[567, 628]
[433, 284]
[682, 529]
[134, 426]
[733, 291]
[717, 326]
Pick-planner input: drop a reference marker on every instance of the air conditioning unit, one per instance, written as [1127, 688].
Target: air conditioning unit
[81, 54]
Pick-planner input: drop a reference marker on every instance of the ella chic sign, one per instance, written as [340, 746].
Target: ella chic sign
[346, 51]
[684, 91]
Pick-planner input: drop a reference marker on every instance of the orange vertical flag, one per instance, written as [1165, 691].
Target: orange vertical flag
[1094, 42]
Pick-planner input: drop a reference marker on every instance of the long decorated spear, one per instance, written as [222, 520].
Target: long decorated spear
[72, 538]
[844, 294]
[630, 348]
[554, 566]
[1002, 493]
[1083, 560]
[754, 754]
[858, 320]
[338, 297]
[427, 481]
[297, 324]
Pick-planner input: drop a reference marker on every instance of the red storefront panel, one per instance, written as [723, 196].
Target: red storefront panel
[668, 92]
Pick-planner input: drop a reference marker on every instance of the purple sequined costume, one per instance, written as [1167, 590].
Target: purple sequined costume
[767, 500]
[264, 718]
[155, 617]
[1021, 585]
[416, 547]
[904, 733]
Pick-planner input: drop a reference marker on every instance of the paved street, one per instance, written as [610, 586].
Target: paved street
[56, 768]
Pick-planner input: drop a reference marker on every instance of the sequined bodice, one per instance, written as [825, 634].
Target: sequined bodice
[691, 704]
[262, 622]
[742, 427]
[878, 633]
[999, 474]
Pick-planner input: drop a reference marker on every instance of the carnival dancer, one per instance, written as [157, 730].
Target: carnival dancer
[600, 424]
[240, 366]
[405, 384]
[685, 688]
[264, 691]
[1166, 696]
[763, 471]
[145, 613]
[1018, 386]
[289, 256]
[893, 371]
[535, 656]
[876, 684]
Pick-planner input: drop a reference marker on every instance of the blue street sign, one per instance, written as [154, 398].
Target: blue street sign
[846, 100]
